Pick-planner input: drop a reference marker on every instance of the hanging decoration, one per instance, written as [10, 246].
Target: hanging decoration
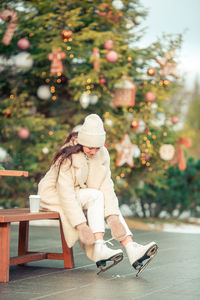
[23, 44]
[23, 61]
[103, 80]
[174, 119]
[9, 13]
[45, 150]
[117, 4]
[93, 99]
[108, 45]
[96, 59]
[43, 92]
[151, 71]
[106, 10]
[141, 127]
[179, 157]
[23, 133]
[56, 57]
[134, 124]
[66, 34]
[168, 65]
[150, 96]
[85, 100]
[167, 151]
[112, 56]
[125, 150]
[124, 93]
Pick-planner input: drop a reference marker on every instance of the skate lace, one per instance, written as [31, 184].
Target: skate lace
[109, 241]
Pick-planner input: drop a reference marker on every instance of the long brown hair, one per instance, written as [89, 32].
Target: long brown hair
[68, 148]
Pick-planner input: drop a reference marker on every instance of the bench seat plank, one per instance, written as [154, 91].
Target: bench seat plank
[24, 214]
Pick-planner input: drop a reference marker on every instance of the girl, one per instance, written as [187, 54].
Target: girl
[79, 186]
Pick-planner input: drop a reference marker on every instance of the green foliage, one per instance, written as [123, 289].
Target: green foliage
[176, 189]
[50, 121]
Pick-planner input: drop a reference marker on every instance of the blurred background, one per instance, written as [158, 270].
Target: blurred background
[135, 63]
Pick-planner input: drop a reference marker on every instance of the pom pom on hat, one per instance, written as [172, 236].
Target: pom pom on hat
[92, 133]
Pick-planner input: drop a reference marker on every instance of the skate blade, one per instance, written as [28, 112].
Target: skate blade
[116, 259]
[149, 260]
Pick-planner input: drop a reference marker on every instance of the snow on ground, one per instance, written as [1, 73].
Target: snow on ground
[183, 228]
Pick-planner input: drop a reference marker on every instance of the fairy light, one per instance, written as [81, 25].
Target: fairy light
[147, 164]
[52, 89]
[122, 175]
[47, 80]
[59, 80]
[161, 83]
[54, 98]
[59, 74]
[118, 177]
[88, 87]
[43, 73]
[50, 132]
[69, 48]
[42, 136]
[153, 137]
[12, 96]
[71, 55]
[165, 133]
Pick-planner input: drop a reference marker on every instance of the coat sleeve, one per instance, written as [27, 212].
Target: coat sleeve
[107, 188]
[67, 196]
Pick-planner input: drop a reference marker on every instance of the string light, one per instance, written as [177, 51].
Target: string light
[50, 132]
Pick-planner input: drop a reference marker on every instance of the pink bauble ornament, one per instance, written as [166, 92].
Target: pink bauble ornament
[23, 44]
[109, 45]
[174, 119]
[23, 133]
[112, 56]
[150, 96]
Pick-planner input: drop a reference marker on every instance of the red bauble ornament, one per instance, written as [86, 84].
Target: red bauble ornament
[134, 124]
[103, 80]
[151, 71]
[66, 34]
[109, 45]
[112, 56]
[150, 96]
[174, 119]
[23, 133]
[23, 44]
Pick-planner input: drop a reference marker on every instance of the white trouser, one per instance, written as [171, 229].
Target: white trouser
[92, 200]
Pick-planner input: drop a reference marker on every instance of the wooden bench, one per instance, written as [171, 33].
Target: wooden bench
[23, 216]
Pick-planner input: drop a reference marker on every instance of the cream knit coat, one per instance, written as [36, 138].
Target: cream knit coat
[59, 192]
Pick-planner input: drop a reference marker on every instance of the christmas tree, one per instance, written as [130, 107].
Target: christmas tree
[61, 61]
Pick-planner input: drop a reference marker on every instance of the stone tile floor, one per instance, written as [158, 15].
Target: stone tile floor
[173, 274]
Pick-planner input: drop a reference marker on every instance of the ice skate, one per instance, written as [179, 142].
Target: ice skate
[137, 254]
[103, 254]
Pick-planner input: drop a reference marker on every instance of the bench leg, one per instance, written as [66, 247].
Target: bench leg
[23, 238]
[4, 251]
[67, 252]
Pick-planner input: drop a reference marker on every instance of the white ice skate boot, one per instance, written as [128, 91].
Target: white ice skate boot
[103, 254]
[138, 253]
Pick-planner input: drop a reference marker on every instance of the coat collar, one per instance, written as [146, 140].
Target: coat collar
[96, 168]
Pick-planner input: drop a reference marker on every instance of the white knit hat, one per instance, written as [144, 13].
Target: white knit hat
[91, 133]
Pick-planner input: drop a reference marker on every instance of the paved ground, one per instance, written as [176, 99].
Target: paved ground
[174, 274]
